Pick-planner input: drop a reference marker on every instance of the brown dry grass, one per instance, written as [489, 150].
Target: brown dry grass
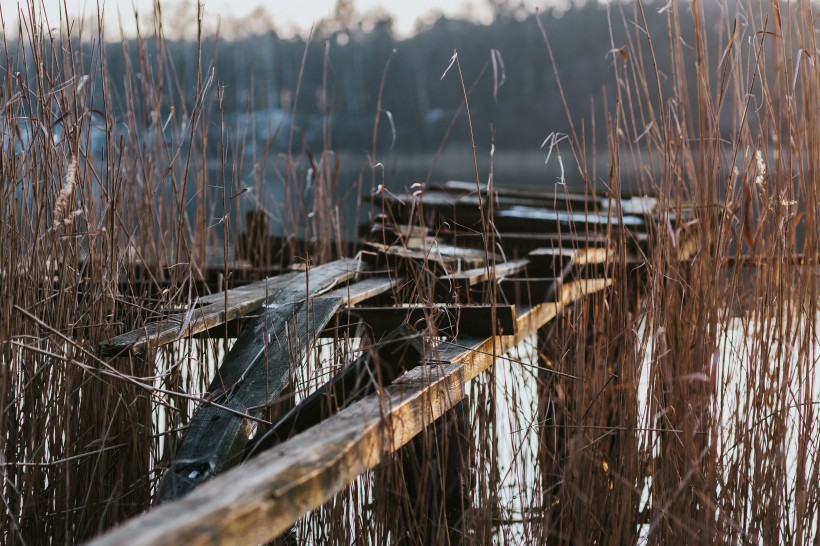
[686, 417]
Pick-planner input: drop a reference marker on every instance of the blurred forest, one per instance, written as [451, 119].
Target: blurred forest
[515, 103]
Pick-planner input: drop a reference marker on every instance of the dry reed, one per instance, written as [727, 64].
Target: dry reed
[685, 411]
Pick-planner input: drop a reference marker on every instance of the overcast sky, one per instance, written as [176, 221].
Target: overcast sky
[285, 14]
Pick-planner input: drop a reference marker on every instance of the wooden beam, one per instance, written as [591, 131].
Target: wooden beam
[539, 220]
[440, 259]
[215, 309]
[443, 320]
[528, 291]
[261, 499]
[360, 292]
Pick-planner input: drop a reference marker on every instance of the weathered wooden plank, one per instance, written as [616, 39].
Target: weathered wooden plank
[552, 262]
[361, 291]
[456, 198]
[542, 220]
[571, 263]
[213, 310]
[545, 193]
[475, 285]
[452, 258]
[262, 498]
[521, 243]
[444, 320]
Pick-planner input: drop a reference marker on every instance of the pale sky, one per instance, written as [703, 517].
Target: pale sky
[285, 14]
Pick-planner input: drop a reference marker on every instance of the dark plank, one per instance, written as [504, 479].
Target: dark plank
[521, 242]
[540, 220]
[528, 291]
[254, 372]
[475, 286]
[443, 320]
[471, 277]
[442, 258]
[542, 193]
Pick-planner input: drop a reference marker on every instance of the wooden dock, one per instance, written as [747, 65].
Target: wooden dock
[439, 288]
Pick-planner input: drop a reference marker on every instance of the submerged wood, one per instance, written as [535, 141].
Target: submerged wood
[253, 373]
[215, 309]
[261, 499]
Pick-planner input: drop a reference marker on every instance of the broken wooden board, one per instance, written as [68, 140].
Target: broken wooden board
[215, 309]
[475, 286]
[253, 373]
[477, 275]
[261, 499]
[570, 263]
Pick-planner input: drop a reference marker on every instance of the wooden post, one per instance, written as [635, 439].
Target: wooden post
[552, 406]
[429, 498]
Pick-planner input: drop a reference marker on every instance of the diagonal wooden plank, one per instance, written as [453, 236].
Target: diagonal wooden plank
[262, 498]
[213, 310]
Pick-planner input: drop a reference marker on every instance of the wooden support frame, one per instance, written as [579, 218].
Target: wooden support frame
[261, 499]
